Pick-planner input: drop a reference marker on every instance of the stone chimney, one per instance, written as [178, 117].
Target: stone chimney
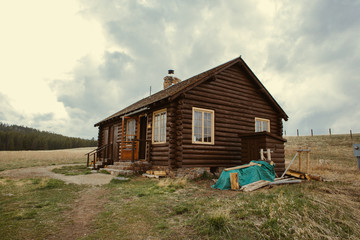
[170, 79]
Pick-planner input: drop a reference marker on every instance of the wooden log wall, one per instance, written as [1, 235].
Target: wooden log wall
[100, 136]
[159, 153]
[251, 148]
[236, 101]
[171, 133]
[179, 133]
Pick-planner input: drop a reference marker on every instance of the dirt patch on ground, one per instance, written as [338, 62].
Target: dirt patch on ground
[78, 221]
[80, 218]
[33, 172]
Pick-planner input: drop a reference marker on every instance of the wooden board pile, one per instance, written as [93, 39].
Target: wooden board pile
[292, 177]
[154, 174]
[262, 183]
[302, 175]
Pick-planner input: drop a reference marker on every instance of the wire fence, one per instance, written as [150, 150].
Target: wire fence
[330, 133]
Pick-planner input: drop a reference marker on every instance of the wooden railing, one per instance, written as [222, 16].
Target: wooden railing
[103, 150]
[133, 145]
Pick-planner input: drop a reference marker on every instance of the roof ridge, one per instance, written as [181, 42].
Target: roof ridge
[176, 89]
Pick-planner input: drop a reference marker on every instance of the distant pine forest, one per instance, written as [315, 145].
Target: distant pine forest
[13, 137]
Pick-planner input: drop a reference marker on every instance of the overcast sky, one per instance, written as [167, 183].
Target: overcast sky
[66, 65]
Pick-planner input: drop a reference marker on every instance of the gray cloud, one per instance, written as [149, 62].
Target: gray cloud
[306, 53]
[319, 59]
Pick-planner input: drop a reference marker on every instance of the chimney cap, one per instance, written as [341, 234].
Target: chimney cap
[171, 71]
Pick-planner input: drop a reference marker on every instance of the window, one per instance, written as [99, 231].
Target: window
[262, 124]
[203, 126]
[159, 126]
[130, 129]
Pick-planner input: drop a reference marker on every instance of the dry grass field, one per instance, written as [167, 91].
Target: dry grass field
[23, 159]
[43, 208]
[331, 157]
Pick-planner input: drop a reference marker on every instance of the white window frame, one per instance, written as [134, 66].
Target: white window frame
[262, 121]
[159, 112]
[202, 110]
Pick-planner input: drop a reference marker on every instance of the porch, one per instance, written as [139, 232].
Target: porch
[123, 141]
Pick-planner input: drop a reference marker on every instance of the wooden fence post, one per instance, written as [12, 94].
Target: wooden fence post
[307, 161]
[297, 131]
[312, 133]
[300, 160]
[330, 132]
[350, 134]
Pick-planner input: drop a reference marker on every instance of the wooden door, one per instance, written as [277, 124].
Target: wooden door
[142, 137]
[128, 145]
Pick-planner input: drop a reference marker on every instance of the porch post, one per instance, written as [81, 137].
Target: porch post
[122, 137]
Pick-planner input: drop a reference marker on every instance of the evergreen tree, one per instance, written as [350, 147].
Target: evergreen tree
[13, 137]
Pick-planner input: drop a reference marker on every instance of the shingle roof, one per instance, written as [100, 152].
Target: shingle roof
[183, 86]
[168, 92]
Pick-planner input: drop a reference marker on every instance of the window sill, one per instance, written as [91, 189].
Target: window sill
[204, 143]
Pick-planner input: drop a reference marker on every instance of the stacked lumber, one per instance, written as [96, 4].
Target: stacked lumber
[154, 174]
[262, 183]
[301, 175]
[280, 181]
[255, 185]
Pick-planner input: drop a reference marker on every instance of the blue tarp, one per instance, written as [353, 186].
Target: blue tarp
[247, 175]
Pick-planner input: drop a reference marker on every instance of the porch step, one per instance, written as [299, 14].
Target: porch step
[123, 163]
[116, 172]
[120, 167]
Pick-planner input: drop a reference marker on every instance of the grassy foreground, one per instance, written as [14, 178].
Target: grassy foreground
[180, 209]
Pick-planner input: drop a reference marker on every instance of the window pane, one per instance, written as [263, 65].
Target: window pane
[130, 129]
[262, 125]
[159, 131]
[258, 126]
[197, 126]
[156, 127]
[207, 127]
[202, 126]
[163, 127]
[265, 126]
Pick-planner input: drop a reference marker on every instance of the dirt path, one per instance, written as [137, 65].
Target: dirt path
[91, 201]
[85, 209]
[90, 179]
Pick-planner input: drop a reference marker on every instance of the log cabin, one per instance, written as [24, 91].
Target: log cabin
[219, 118]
